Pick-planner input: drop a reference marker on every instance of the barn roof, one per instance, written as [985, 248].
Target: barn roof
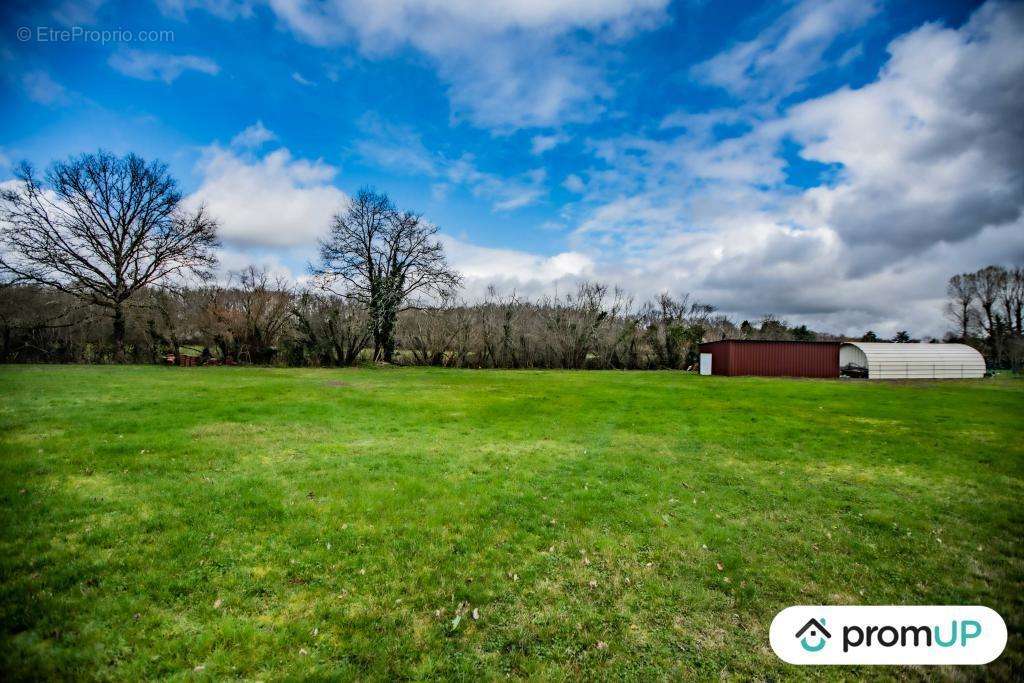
[885, 350]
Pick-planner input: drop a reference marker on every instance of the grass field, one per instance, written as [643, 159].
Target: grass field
[263, 523]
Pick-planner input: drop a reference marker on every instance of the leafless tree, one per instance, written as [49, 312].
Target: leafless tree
[437, 335]
[675, 327]
[1012, 298]
[501, 337]
[172, 319]
[382, 257]
[39, 324]
[962, 291]
[265, 307]
[101, 227]
[989, 283]
[577, 325]
[332, 329]
[218, 320]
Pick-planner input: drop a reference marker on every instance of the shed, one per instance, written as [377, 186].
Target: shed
[913, 361]
[772, 358]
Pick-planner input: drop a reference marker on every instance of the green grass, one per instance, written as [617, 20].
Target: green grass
[264, 523]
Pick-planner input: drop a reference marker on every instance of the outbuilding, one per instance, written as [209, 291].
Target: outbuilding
[912, 361]
[769, 358]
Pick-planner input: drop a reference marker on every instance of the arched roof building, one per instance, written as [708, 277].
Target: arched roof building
[913, 361]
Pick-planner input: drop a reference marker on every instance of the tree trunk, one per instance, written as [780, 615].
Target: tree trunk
[5, 352]
[387, 338]
[119, 333]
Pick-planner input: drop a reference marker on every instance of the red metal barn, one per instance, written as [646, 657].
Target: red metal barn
[773, 358]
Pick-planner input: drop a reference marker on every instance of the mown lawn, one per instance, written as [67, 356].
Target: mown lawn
[265, 523]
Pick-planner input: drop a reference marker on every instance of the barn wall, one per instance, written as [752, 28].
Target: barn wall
[773, 358]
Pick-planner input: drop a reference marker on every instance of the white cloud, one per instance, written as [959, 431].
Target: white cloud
[272, 208]
[545, 143]
[300, 79]
[928, 184]
[506, 64]
[273, 200]
[933, 150]
[253, 137]
[152, 66]
[511, 269]
[574, 183]
[41, 88]
[233, 259]
[782, 56]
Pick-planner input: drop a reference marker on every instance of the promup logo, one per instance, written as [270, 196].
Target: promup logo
[817, 630]
[888, 635]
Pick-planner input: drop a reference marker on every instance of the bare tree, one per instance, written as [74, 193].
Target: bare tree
[576, 326]
[101, 227]
[675, 328]
[382, 258]
[265, 307]
[332, 329]
[989, 282]
[962, 291]
[437, 335]
[502, 338]
[171, 321]
[1012, 298]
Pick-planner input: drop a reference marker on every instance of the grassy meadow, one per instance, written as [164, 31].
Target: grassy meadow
[419, 523]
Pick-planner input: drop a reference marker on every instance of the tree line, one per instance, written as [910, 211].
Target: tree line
[259, 319]
[986, 307]
[102, 261]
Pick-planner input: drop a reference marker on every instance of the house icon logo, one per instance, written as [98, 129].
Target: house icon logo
[815, 631]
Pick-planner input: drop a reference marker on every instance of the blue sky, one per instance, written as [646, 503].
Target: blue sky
[832, 162]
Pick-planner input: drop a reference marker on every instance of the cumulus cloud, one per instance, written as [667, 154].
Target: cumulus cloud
[931, 151]
[153, 66]
[506, 64]
[514, 270]
[929, 183]
[271, 200]
[273, 207]
[253, 137]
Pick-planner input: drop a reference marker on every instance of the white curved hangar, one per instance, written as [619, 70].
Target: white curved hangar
[913, 361]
